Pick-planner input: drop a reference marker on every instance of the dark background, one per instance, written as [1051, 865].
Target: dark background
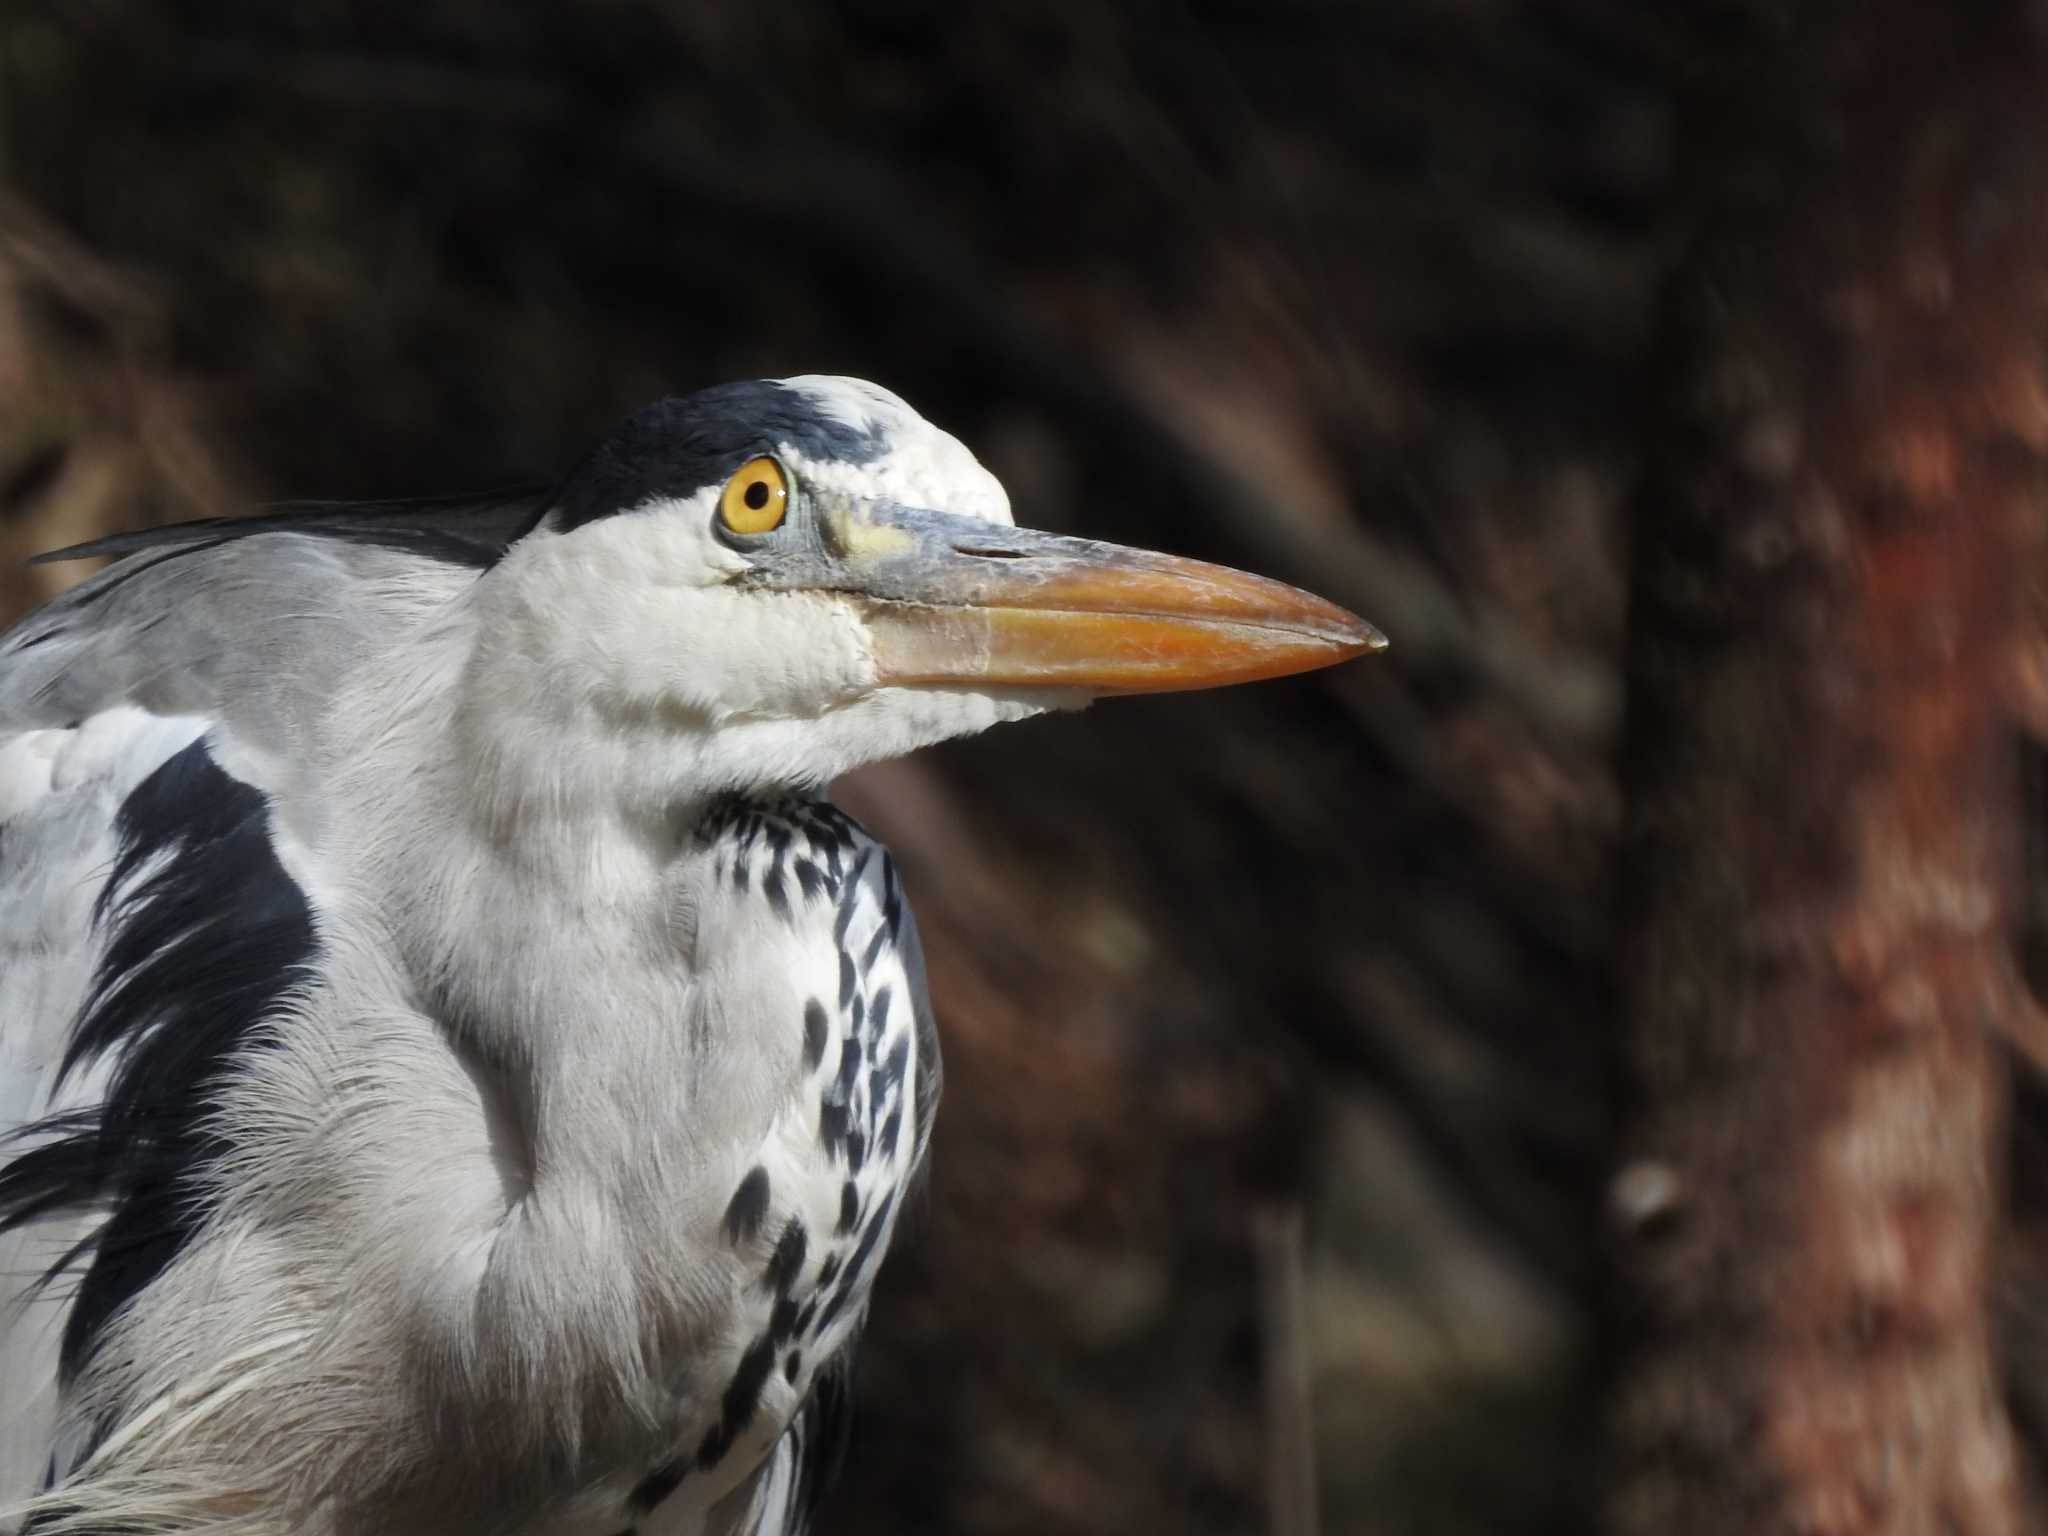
[1302, 978]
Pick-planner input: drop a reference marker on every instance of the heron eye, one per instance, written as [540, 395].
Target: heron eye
[756, 499]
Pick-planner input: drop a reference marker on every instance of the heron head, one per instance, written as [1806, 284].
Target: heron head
[791, 578]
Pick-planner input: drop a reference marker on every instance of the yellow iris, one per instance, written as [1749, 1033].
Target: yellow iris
[756, 499]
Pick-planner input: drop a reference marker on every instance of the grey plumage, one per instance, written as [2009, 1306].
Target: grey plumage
[458, 1074]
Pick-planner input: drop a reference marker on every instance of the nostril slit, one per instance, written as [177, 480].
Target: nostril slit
[981, 553]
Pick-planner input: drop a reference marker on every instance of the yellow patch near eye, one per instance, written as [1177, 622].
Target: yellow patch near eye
[850, 525]
[756, 499]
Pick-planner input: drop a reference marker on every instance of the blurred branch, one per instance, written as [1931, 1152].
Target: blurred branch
[1290, 1414]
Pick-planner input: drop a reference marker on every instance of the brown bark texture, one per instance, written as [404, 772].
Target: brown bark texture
[1821, 842]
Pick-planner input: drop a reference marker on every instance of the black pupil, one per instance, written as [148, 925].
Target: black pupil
[756, 494]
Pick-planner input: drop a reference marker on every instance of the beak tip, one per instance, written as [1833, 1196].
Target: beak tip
[1353, 635]
[1370, 641]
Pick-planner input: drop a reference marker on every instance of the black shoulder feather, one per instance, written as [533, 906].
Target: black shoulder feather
[204, 938]
[473, 530]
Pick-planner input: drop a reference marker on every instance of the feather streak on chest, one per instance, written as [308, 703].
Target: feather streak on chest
[812, 1214]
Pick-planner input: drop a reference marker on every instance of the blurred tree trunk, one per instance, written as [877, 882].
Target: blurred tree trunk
[1829, 585]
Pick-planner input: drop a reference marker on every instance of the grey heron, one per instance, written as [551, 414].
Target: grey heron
[458, 1073]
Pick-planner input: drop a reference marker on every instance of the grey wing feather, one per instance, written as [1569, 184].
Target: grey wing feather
[931, 1074]
[251, 633]
[240, 639]
[245, 641]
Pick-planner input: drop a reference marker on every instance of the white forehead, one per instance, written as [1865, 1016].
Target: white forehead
[918, 464]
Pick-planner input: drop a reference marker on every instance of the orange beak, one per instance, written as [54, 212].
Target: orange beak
[953, 600]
